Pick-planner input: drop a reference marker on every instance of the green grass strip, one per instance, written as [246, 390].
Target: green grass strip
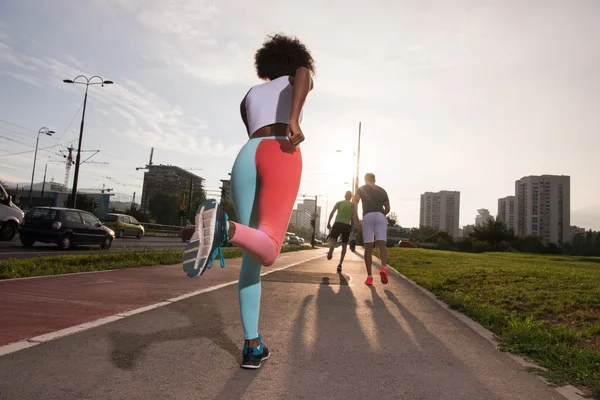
[101, 261]
[544, 307]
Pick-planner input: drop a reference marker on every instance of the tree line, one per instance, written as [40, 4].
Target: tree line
[495, 236]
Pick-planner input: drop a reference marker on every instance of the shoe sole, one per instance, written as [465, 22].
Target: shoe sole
[248, 366]
[197, 251]
[384, 276]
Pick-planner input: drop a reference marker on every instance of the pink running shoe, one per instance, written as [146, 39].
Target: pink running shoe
[384, 275]
[369, 280]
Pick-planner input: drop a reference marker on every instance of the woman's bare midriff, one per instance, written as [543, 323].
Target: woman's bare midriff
[277, 129]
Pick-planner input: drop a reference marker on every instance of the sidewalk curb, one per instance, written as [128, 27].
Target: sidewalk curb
[569, 392]
[48, 337]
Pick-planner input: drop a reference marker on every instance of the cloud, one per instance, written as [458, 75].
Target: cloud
[189, 37]
[140, 114]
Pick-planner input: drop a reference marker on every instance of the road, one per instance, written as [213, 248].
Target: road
[330, 336]
[14, 249]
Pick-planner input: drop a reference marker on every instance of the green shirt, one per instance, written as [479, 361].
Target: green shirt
[344, 212]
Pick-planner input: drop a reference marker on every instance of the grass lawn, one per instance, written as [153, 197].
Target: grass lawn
[544, 307]
[100, 261]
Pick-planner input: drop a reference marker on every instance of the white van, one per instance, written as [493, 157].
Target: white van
[10, 216]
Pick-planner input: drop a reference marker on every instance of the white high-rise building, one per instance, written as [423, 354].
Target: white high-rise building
[483, 217]
[506, 211]
[309, 205]
[543, 207]
[441, 211]
[300, 219]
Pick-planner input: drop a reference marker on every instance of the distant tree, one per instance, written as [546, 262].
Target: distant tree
[135, 212]
[303, 232]
[230, 210]
[529, 244]
[164, 208]
[421, 234]
[493, 232]
[83, 202]
[392, 219]
[435, 238]
[589, 237]
[198, 196]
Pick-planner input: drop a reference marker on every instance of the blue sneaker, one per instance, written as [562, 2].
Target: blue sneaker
[253, 356]
[206, 242]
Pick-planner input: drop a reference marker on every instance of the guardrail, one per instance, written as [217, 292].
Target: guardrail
[161, 230]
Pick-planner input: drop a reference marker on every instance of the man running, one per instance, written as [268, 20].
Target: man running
[375, 205]
[342, 226]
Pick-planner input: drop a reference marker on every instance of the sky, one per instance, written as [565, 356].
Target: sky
[452, 95]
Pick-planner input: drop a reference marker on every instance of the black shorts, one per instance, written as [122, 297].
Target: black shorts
[339, 228]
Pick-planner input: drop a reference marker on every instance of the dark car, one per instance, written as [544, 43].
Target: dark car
[187, 232]
[64, 226]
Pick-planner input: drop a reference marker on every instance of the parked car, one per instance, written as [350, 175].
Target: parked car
[405, 243]
[123, 225]
[10, 216]
[294, 240]
[66, 227]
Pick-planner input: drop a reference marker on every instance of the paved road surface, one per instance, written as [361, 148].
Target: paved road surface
[14, 249]
[331, 337]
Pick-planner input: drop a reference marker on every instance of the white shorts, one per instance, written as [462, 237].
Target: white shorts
[374, 227]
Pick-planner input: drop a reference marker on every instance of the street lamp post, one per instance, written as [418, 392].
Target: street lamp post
[354, 182]
[87, 82]
[45, 131]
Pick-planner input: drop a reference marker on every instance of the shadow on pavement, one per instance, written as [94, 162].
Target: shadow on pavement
[129, 347]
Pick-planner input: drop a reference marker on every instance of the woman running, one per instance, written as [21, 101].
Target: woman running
[264, 181]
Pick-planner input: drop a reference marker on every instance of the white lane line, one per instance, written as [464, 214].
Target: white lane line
[26, 343]
[16, 346]
[74, 329]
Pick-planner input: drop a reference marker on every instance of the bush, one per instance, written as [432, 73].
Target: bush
[464, 244]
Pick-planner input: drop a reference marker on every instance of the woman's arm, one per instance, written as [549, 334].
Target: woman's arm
[243, 112]
[355, 201]
[302, 85]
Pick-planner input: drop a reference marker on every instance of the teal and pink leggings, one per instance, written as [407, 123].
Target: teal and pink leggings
[264, 185]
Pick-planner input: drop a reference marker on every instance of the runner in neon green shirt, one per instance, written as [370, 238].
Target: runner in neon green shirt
[342, 226]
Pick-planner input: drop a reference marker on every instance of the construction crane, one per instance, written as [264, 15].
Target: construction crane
[68, 163]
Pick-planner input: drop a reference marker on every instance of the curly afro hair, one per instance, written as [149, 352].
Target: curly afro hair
[282, 55]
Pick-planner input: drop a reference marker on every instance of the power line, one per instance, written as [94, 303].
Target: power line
[70, 123]
[19, 126]
[17, 132]
[31, 151]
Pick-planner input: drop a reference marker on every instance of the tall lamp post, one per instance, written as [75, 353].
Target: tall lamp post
[45, 131]
[356, 162]
[82, 80]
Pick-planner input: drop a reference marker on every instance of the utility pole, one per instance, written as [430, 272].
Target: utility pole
[357, 159]
[44, 183]
[189, 206]
[312, 242]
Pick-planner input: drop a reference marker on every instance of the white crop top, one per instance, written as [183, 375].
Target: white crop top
[269, 103]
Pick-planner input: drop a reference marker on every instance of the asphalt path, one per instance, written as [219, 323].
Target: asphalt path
[330, 336]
